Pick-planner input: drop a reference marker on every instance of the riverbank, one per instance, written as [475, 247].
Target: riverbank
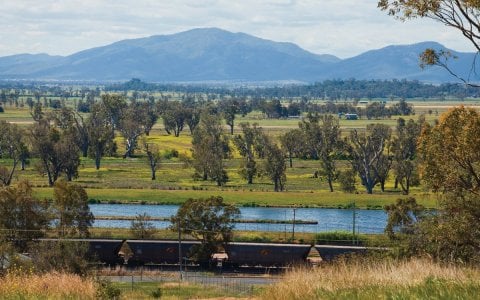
[246, 198]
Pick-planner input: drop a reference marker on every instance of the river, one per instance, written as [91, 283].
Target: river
[366, 221]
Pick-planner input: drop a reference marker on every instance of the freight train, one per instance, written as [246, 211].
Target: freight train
[166, 252]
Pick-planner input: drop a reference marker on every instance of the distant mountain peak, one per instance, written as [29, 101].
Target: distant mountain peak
[214, 54]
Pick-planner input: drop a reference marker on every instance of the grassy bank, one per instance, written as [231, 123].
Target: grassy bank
[245, 197]
[414, 279]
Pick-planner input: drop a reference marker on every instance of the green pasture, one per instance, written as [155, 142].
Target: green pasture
[246, 197]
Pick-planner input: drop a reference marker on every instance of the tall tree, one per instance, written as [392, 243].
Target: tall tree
[192, 117]
[210, 147]
[292, 143]
[57, 151]
[153, 157]
[404, 150]
[245, 144]
[229, 108]
[210, 221]
[274, 165]
[174, 116]
[148, 116]
[23, 216]
[12, 146]
[450, 152]
[100, 134]
[114, 106]
[450, 165]
[322, 136]
[70, 203]
[131, 128]
[403, 216]
[365, 151]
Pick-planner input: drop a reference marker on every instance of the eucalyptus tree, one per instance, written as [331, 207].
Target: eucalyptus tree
[274, 165]
[153, 157]
[229, 109]
[292, 143]
[210, 146]
[70, 206]
[67, 119]
[365, 151]
[13, 147]
[56, 149]
[211, 221]
[323, 142]
[131, 127]
[404, 150]
[174, 116]
[22, 216]
[114, 106]
[100, 134]
[245, 143]
[149, 116]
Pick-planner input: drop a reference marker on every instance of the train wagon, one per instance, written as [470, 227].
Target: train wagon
[269, 255]
[103, 251]
[156, 252]
[329, 252]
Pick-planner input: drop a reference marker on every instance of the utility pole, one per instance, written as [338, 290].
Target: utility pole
[179, 249]
[293, 227]
[353, 222]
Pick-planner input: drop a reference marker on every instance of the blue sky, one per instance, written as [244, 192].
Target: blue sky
[343, 28]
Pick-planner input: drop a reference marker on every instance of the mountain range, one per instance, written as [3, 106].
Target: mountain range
[212, 54]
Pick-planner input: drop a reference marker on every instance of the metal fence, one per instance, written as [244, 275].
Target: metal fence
[226, 284]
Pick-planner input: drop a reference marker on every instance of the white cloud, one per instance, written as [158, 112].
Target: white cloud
[341, 27]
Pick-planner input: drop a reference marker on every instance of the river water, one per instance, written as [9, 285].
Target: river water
[366, 221]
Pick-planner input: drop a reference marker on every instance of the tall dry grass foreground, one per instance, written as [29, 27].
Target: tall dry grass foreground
[366, 280]
[46, 286]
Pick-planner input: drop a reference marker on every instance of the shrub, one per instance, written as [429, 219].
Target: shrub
[105, 290]
[347, 181]
[157, 294]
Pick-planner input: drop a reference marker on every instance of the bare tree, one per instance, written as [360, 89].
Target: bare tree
[153, 157]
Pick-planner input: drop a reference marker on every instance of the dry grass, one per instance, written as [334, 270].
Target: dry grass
[54, 285]
[361, 278]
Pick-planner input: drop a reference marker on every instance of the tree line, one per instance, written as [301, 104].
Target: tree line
[58, 138]
[337, 89]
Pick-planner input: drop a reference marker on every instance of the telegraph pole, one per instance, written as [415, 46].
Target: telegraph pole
[179, 249]
[293, 227]
[353, 222]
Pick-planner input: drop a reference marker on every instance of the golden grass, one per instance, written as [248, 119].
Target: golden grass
[362, 276]
[46, 286]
